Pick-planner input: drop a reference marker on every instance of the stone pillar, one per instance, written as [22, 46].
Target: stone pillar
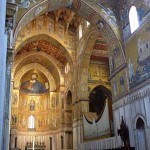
[84, 104]
[9, 26]
[75, 136]
[7, 104]
[84, 107]
[66, 140]
[3, 50]
[77, 123]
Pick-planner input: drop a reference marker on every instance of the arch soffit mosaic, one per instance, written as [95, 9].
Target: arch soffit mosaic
[85, 60]
[83, 71]
[96, 13]
[50, 40]
[28, 67]
[112, 47]
[54, 67]
[89, 43]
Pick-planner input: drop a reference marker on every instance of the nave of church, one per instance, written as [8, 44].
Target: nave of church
[75, 74]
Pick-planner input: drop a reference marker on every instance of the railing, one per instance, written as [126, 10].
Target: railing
[109, 143]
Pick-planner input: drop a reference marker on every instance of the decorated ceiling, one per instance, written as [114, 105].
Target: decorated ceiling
[43, 46]
[66, 17]
[103, 13]
[55, 33]
[61, 19]
[100, 51]
[52, 28]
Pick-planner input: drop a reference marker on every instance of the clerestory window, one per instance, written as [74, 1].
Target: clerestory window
[133, 19]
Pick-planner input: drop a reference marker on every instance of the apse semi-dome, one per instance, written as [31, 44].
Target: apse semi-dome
[33, 85]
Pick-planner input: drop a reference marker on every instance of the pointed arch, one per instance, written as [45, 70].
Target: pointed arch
[140, 123]
[101, 12]
[139, 132]
[50, 40]
[138, 118]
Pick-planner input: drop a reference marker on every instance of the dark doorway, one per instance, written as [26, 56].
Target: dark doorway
[50, 143]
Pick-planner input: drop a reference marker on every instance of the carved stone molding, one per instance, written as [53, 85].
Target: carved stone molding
[10, 56]
[9, 61]
[11, 8]
[8, 69]
[132, 97]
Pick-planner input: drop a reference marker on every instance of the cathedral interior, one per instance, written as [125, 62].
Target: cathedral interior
[75, 74]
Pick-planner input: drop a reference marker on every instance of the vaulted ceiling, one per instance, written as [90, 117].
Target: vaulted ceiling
[66, 17]
[43, 46]
[70, 21]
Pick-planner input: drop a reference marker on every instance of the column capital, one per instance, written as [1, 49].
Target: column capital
[11, 8]
[10, 21]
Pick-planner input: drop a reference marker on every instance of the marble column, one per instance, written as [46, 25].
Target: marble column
[3, 51]
[7, 105]
[65, 141]
[75, 136]
[9, 26]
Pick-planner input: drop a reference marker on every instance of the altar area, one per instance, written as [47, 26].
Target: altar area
[35, 146]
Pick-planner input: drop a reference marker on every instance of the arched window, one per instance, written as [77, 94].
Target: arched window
[133, 18]
[31, 122]
[80, 31]
[87, 23]
[69, 98]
